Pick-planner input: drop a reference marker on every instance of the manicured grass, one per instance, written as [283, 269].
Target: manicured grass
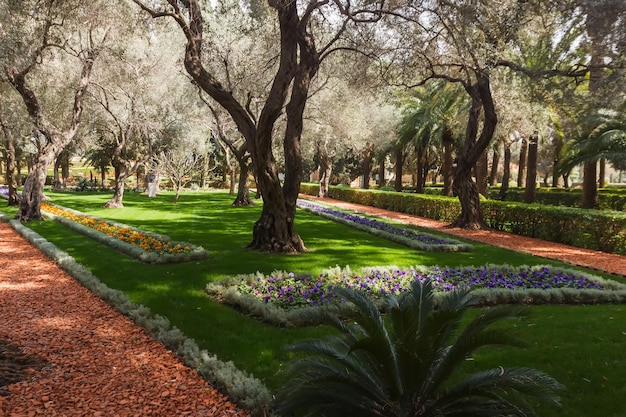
[581, 346]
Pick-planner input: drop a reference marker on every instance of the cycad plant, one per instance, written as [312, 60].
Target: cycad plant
[407, 363]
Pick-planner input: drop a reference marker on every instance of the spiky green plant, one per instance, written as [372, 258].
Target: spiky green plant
[409, 363]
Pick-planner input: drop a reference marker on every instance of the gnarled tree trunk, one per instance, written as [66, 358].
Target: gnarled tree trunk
[121, 174]
[326, 167]
[50, 143]
[471, 216]
[243, 189]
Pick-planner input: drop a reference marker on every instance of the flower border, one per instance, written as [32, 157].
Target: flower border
[150, 257]
[398, 234]
[228, 291]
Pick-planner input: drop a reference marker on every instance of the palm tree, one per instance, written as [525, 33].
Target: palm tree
[607, 141]
[429, 121]
[406, 364]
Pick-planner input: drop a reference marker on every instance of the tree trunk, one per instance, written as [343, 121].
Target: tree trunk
[243, 191]
[398, 169]
[298, 62]
[10, 174]
[121, 174]
[448, 162]
[367, 166]
[232, 179]
[558, 150]
[324, 180]
[471, 216]
[599, 19]
[495, 162]
[275, 231]
[482, 174]
[32, 194]
[30, 204]
[18, 167]
[506, 175]
[531, 172]
[590, 185]
[65, 169]
[420, 181]
[381, 171]
[325, 167]
[522, 162]
[103, 175]
[602, 174]
[56, 181]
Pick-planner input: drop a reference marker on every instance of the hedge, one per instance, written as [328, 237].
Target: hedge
[591, 229]
[608, 199]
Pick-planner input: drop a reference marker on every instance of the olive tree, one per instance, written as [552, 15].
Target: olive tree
[49, 45]
[306, 32]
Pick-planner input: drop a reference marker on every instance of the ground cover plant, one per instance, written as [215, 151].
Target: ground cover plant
[580, 346]
[403, 235]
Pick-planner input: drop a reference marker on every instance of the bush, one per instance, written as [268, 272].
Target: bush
[608, 198]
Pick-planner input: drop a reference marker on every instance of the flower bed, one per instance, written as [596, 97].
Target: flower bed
[145, 246]
[278, 297]
[405, 236]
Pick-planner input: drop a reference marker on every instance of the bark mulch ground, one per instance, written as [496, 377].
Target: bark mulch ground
[74, 355]
[77, 356]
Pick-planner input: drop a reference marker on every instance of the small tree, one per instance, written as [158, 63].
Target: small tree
[179, 164]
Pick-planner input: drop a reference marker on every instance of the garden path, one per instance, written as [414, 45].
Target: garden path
[77, 356]
[601, 261]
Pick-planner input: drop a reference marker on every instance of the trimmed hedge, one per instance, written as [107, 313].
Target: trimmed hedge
[608, 199]
[591, 229]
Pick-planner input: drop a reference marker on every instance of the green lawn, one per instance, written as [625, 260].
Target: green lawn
[581, 346]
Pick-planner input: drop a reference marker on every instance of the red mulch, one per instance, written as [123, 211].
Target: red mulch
[77, 356]
[80, 357]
